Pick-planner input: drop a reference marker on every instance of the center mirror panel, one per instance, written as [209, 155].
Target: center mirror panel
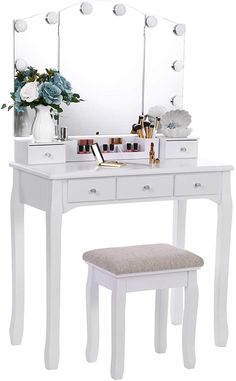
[101, 54]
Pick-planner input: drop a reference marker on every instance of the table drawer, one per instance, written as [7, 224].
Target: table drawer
[84, 190]
[46, 154]
[186, 148]
[144, 187]
[194, 184]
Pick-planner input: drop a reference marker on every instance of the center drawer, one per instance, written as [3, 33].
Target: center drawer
[82, 190]
[144, 187]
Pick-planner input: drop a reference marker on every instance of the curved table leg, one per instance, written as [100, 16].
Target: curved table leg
[17, 238]
[179, 222]
[53, 225]
[222, 262]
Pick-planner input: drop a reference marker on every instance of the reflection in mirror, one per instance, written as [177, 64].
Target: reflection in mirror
[164, 49]
[37, 45]
[105, 64]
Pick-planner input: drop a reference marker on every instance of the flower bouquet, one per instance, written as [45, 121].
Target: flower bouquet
[44, 92]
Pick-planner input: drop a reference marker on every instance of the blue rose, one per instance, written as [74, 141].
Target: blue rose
[51, 93]
[62, 83]
[18, 84]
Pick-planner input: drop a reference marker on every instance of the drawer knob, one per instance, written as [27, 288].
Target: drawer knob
[146, 187]
[93, 191]
[48, 154]
[197, 185]
[183, 149]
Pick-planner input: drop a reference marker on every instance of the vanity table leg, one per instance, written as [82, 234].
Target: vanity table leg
[179, 222]
[222, 262]
[17, 238]
[53, 226]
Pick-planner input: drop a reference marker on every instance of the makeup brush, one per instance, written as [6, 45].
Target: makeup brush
[139, 131]
[146, 125]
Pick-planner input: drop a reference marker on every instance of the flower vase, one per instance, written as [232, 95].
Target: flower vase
[43, 126]
[22, 124]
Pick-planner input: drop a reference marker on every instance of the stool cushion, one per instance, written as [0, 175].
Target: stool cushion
[143, 258]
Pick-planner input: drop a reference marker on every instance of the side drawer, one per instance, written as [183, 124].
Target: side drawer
[194, 184]
[83, 190]
[46, 154]
[144, 186]
[180, 149]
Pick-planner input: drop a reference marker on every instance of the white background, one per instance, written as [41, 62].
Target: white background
[210, 98]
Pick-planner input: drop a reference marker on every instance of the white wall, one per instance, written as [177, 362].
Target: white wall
[210, 98]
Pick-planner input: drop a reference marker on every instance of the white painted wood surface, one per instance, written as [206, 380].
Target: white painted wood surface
[179, 222]
[92, 307]
[120, 285]
[17, 235]
[161, 312]
[189, 321]
[53, 239]
[49, 192]
[222, 262]
[118, 299]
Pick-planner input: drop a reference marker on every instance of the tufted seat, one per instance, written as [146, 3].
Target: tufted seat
[142, 258]
[139, 268]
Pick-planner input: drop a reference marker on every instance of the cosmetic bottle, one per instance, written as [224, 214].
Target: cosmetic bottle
[152, 154]
[135, 147]
[105, 148]
[83, 142]
[81, 149]
[90, 142]
[129, 147]
[111, 147]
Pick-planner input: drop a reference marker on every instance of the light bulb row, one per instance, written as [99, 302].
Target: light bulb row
[86, 8]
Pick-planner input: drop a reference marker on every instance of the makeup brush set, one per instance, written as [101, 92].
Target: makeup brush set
[144, 128]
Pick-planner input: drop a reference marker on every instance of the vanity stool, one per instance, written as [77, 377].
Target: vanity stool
[137, 268]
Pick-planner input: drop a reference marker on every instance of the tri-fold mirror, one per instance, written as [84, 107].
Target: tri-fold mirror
[121, 61]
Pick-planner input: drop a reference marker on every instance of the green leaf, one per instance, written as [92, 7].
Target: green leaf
[4, 106]
[10, 107]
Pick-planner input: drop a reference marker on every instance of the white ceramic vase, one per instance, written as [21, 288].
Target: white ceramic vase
[43, 126]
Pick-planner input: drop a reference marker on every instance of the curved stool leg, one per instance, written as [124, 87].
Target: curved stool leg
[118, 328]
[189, 322]
[161, 313]
[92, 303]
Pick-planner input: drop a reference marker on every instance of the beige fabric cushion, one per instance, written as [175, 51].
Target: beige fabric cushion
[144, 258]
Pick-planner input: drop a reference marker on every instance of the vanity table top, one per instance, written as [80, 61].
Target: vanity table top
[72, 170]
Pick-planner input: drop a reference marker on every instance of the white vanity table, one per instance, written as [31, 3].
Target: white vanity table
[118, 84]
[58, 188]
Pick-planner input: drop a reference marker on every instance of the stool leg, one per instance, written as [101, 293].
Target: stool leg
[189, 322]
[118, 328]
[161, 312]
[92, 304]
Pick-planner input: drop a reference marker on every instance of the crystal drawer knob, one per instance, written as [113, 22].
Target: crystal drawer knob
[197, 185]
[48, 155]
[93, 191]
[146, 187]
[183, 149]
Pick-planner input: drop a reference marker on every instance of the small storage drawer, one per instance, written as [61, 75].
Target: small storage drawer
[46, 154]
[144, 186]
[84, 190]
[179, 148]
[27, 152]
[194, 184]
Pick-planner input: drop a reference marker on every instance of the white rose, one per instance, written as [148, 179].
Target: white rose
[29, 92]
